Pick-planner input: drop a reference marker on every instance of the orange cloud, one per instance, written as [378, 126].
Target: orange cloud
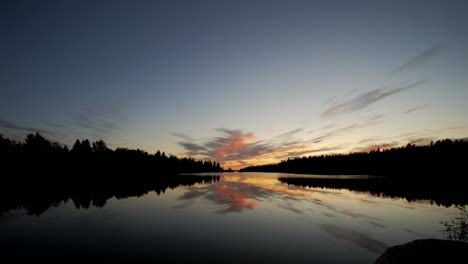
[236, 149]
[236, 142]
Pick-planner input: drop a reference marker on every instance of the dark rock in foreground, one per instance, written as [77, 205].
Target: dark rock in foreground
[426, 251]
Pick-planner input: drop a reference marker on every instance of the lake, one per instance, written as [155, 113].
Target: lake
[236, 217]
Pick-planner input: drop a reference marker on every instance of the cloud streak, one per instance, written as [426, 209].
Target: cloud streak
[418, 60]
[349, 128]
[382, 146]
[414, 109]
[95, 121]
[192, 148]
[366, 99]
[229, 145]
[13, 126]
[235, 146]
[291, 133]
[424, 140]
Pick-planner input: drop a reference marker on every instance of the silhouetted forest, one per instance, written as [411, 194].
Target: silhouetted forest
[445, 158]
[39, 154]
[37, 173]
[438, 192]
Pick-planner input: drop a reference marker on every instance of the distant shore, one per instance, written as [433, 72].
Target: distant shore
[443, 158]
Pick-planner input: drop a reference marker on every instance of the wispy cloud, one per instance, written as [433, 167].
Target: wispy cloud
[182, 135]
[368, 122]
[16, 127]
[381, 146]
[329, 126]
[229, 145]
[192, 148]
[414, 109]
[56, 125]
[421, 140]
[291, 133]
[235, 146]
[399, 141]
[308, 151]
[95, 121]
[418, 60]
[457, 127]
[348, 128]
[366, 99]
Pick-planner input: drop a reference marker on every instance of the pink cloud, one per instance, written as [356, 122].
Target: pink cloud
[235, 142]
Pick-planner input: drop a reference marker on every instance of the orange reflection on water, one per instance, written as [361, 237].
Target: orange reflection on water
[235, 198]
[236, 192]
[343, 216]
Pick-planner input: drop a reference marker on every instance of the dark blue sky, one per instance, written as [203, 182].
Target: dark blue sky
[195, 77]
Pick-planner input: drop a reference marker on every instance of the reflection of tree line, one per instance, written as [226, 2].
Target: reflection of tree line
[443, 194]
[37, 197]
[37, 173]
[445, 158]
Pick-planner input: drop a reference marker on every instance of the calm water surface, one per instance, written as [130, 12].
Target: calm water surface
[243, 217]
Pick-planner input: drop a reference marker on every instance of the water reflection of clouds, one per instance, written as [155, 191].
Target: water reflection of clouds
[358, 215]
[360, 239]
[237, 199]
[236, 194]
[274, 210]
[291, 208]
[193, 193]
[334, 211]
[345, 217]
[266, 195]
[377, 224]
[184, 205]
[239, 193]
[410, 231]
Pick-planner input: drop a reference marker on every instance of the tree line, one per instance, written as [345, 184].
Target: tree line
[37, 173]
[37, 154]
[445, 158]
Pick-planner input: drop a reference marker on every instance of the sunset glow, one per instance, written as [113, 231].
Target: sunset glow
[243, 83]
[220, 131]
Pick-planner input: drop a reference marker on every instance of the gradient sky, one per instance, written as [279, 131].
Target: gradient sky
[240, 82]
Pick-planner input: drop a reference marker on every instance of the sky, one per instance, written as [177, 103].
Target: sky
[239, 82]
